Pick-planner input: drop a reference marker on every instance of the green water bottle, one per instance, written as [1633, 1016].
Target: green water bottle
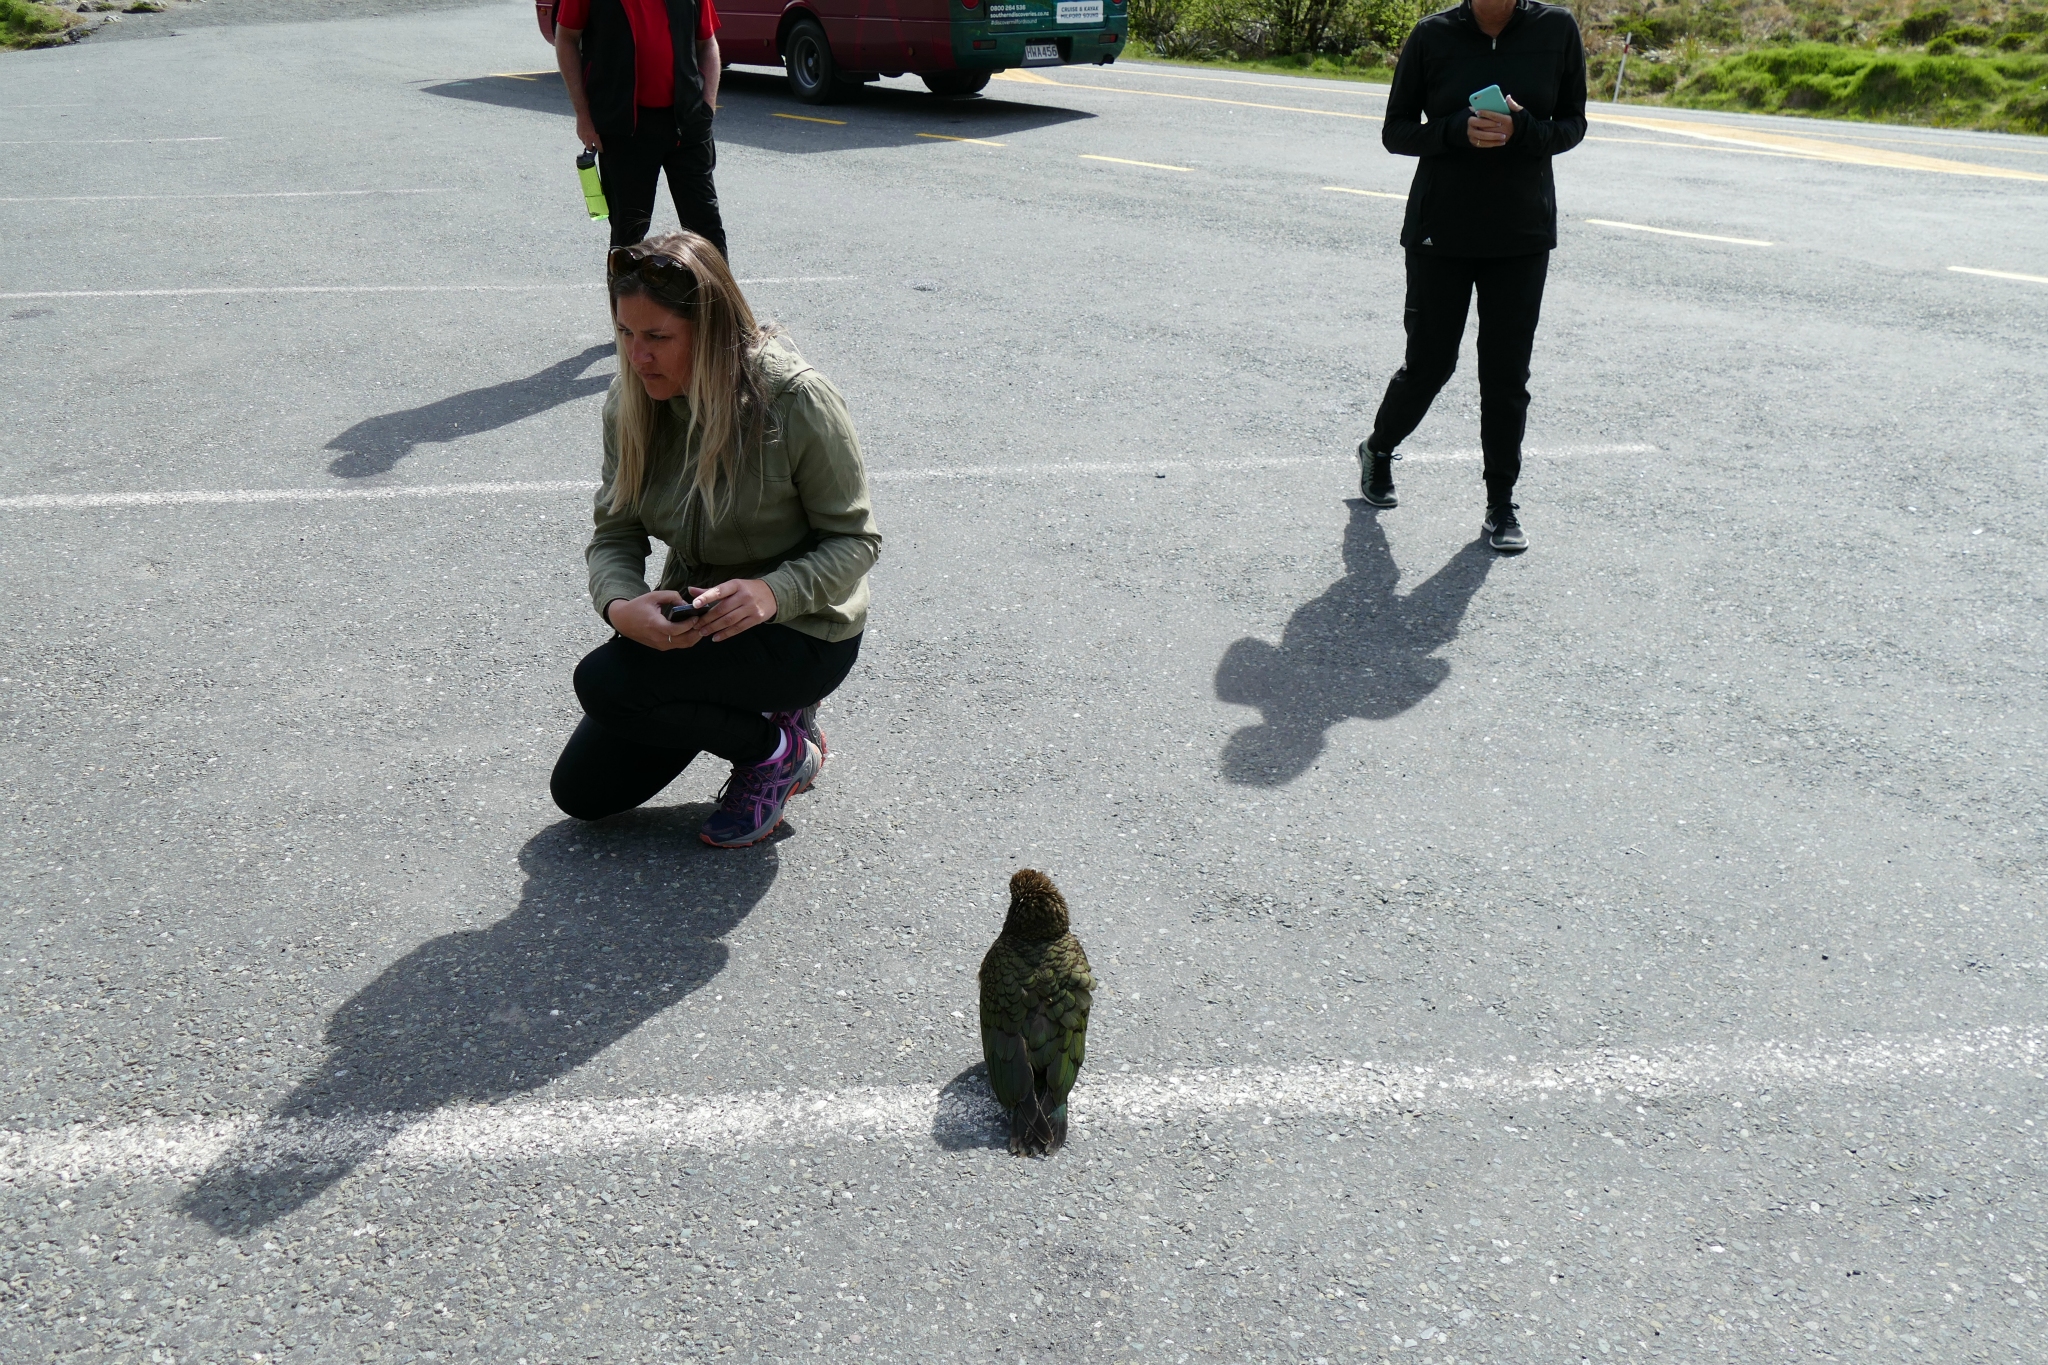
[593, 188]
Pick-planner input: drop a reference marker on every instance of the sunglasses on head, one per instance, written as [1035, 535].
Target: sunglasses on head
[661, 271]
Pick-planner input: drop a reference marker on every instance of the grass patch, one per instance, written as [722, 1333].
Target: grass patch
[1344, 68]
[1943, 89]
[24, 24]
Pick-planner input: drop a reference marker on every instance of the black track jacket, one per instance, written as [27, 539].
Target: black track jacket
[1499, 201]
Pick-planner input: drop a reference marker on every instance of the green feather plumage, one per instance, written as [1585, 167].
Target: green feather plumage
[1036, 991]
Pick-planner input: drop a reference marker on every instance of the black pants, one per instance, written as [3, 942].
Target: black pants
[1439, 292]
[648, 712]
[633, 159]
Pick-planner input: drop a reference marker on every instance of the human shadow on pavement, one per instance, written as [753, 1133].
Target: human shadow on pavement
[375, 445]
[618, 921]
[968, 1115]
[1358, 652]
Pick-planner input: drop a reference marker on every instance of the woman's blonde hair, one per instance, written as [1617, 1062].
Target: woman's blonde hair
[728, 399]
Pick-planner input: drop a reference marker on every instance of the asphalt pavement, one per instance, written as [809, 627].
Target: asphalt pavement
[1628, 949]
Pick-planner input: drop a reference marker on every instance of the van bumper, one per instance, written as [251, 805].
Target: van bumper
[1003, 49]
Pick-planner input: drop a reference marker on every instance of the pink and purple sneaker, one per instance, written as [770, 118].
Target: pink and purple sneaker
[750, 808]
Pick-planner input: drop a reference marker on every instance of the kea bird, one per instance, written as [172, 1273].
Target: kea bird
[1036, 990]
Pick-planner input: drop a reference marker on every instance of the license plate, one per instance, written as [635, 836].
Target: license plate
[1041, 54]
[1079, 12]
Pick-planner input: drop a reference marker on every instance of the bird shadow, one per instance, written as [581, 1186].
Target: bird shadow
[375, 445]
[618, 920]
[1359, 651]
[968, 1115]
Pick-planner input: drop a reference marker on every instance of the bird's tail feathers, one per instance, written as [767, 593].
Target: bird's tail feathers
[1037, 1129]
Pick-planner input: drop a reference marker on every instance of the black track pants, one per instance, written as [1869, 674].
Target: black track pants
[1439, 293]
[632, 161]
[648, 712]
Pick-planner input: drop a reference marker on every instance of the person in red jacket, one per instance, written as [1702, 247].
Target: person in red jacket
[644, 102]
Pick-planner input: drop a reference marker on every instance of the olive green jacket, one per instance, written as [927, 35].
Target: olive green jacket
[800, 519]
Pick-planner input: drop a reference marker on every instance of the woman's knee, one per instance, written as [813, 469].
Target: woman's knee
[603, 684]
[582, 794]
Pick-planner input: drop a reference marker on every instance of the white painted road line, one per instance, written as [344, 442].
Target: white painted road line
[1674, 232]
[527, 1130]
[45, 502]
[239, 194]
[1370, 194]
[104, 141]
[1126, 161]
[372, 289]
[2000, 274]
[1565, 452]
[202, 498]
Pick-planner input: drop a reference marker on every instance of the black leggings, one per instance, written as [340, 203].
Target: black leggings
[648, 712]
[633, 161]
[1510, 300]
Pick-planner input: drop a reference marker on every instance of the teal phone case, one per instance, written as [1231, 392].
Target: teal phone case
[1491, 100]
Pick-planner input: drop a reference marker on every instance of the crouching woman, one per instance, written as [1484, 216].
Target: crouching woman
[722, 443]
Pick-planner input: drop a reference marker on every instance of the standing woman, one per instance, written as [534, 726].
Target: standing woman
[721, 442]
[1482, 216]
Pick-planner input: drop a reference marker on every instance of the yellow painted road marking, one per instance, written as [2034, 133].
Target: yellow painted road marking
[1372, 194]
[1674, 232]
[1126, 161]
[1375, 92]
[1952, 146]
[521, 75]
[1198, 99]
[806, 118]
[1734, 138]
[1816, 148]
[1697, 147]
[977, 141]
[1024, 77]
[1999, 274]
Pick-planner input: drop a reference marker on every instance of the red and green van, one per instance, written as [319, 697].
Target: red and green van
[831, 46]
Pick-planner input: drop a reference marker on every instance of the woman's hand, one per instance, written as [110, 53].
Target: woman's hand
[738, 604]
[644, 620]
[1492, 130]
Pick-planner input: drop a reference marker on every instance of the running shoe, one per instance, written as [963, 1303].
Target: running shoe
[1376, 477]
[1504, 530]
[750, 808]
[806, 720]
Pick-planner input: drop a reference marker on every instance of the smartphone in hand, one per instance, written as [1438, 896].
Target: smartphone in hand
[1490, 101]
[683, 611]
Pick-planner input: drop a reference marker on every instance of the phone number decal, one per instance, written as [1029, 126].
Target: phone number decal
[1013, 14]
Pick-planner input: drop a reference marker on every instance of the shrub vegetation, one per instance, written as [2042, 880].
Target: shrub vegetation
[24, 24]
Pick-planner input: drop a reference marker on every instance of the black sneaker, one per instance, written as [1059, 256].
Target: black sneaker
[1503, 530]
[1376, 477]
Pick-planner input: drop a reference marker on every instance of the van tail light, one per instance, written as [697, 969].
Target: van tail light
[970, 4]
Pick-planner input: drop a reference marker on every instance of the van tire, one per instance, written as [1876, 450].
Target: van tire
[953, 85]
[813, 74]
